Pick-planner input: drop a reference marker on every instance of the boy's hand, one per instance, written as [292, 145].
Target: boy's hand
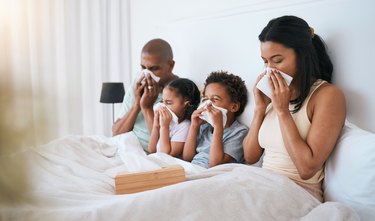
[196, 121]
[216, 115]
[165, 117]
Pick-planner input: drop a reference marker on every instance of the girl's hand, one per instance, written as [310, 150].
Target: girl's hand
[165, 117]
[196, 121]
[156, 119]
[261, 100]
[280, 93]
[216, 115]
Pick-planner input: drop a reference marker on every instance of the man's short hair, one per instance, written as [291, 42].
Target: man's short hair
[160, 47]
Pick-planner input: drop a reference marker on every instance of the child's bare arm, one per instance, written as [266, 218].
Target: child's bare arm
[165, 120]
[217, 155]
[176, 148]
[191, 140]
[154, 134]
[166, 146]
[190, 145]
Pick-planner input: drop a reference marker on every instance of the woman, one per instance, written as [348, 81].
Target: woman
[298, 126]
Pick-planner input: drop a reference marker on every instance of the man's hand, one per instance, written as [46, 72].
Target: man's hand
[138, 91]
[151, 91]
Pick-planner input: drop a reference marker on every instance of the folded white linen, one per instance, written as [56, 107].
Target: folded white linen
[73, 179]
[205, 116]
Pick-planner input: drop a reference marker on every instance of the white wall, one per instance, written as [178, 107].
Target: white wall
[221, 34]
[54, 56]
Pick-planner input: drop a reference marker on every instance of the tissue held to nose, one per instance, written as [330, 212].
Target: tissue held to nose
[263, 84]
[174, 116]
[145, 73]
[206, 116]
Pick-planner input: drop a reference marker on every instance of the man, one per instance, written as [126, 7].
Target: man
[137, 108]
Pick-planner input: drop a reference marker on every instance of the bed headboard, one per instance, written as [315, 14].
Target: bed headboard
[222, 35]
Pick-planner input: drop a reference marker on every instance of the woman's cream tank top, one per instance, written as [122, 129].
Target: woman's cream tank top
[276, 157]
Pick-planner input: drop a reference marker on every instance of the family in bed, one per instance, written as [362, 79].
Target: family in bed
[296, 128]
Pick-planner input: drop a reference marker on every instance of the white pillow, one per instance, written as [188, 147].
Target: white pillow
[350, 171]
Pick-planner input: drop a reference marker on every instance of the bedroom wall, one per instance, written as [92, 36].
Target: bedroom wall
[221, 34]
[54, 56]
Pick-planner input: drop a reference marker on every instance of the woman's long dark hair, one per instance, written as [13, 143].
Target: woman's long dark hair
[313, 61]
[189, 91]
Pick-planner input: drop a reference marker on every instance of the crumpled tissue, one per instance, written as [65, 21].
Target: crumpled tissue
[264, 86]
[146, 72]
[174, 116]
[206, 116]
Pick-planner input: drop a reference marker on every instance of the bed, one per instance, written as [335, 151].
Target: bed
[72, 178]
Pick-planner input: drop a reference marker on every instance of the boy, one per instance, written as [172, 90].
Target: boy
[210, 145]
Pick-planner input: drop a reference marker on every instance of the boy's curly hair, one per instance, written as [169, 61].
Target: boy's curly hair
[235, 86]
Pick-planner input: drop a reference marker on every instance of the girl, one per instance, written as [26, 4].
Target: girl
[171, 119]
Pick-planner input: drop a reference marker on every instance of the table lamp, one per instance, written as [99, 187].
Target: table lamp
[112, 92]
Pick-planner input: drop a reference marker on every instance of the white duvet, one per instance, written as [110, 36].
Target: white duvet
[72, 178]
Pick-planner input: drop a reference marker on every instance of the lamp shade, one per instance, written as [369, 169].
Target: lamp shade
[112, 92]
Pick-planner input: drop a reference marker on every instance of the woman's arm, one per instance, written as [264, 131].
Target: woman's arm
[251, 147]
[326, 111]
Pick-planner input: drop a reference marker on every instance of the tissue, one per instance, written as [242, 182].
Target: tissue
[146, 72]
[264, 86]
[206, 116]
[174, 116]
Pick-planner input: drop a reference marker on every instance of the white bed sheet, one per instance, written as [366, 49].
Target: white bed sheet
[72, 178]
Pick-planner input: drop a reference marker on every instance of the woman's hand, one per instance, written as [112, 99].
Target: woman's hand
[280, 93]
[165, 117]
[261, 100]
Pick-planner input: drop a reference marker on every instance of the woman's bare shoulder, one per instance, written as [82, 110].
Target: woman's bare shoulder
[327, 99]
[328, 93]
